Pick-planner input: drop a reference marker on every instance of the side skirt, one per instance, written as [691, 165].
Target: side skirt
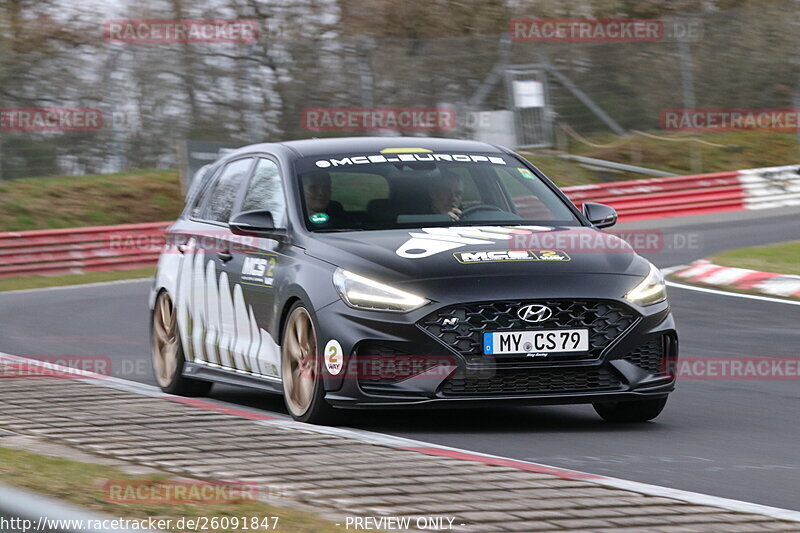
[220, 374]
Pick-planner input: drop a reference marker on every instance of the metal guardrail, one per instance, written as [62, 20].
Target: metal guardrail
[666, 197]
[759, 188]
[613, 165]
[78, 250]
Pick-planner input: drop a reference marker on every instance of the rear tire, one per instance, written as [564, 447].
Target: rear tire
[301, 370]
[635, 411]
[167, 352]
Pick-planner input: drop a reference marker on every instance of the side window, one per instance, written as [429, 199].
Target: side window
[266, 191]
[203, 189]
[223, 192]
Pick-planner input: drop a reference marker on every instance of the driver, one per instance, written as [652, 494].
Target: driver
[446, 192]
[317, 190]
[317, 193]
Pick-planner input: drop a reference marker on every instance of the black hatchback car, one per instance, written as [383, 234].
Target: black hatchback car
[395, 272]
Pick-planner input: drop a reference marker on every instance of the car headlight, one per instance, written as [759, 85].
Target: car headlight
[650, 290]
[364, 293]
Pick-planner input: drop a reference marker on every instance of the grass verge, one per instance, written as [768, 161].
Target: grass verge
[98, 200]
[42, 282]
[781, 258]
[83, 484]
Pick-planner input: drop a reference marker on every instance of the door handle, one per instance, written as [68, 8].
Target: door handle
[224, 256]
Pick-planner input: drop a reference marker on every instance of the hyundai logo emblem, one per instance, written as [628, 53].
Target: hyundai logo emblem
[534, 313]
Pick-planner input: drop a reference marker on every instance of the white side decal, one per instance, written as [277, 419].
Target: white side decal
[183, 302]
[227, 323]
[255, 344]
[270, 355]
[211, 341]
[198, 310]
[242, 340]
[168, 271]
[217, 325]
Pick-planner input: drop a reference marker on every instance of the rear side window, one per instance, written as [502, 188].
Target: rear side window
[223, 192]
[200, 190]
[266, 191]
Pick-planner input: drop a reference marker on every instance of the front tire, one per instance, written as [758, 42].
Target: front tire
[301, 369]
[635, 411]
[167, 352]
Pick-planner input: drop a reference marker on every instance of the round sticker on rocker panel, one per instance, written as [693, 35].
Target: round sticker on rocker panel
[334, 360]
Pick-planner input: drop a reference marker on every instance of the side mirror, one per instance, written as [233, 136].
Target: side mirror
[258, 223]
[601, 215]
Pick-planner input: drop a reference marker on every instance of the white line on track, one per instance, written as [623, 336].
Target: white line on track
[370, 437]
[669, 270]
[733, 294]
[78, 286]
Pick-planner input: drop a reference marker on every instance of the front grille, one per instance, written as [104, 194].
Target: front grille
[532, 381]
[649, 356]
[462, 326]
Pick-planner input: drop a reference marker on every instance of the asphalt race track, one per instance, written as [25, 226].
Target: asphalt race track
[735, 439]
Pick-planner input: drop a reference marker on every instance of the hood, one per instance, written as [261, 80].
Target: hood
[485, 251]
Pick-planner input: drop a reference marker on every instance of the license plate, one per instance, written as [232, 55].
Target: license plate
[542, 341]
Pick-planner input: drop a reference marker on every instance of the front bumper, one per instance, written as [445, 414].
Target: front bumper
[392, 361]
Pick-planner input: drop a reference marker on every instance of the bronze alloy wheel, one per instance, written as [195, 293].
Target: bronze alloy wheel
[299, 362]
[168, 358]
[165, 340]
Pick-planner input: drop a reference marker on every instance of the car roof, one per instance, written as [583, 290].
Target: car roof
[345, 145]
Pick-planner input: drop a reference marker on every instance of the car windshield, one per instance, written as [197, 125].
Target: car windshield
[350, 192]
